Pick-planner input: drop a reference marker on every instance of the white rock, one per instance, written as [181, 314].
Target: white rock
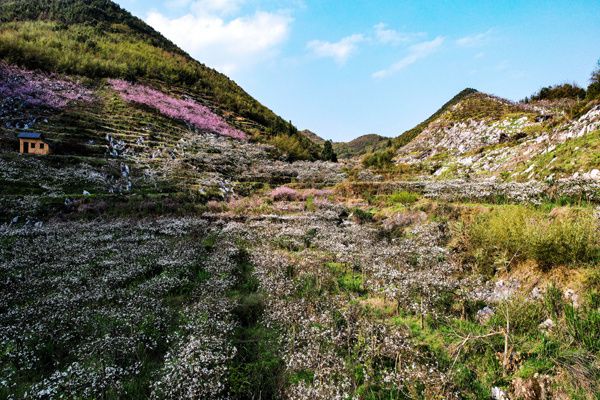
[86, 193]
[484, 314]
[499, 394]
[571, 296]
[546, 325]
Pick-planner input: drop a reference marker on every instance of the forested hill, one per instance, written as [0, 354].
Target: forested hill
[98, 39]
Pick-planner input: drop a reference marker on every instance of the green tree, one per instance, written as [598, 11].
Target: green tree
[593, 91]
[564, 91]
[328, 154]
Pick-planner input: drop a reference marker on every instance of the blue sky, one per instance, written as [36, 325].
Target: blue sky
[343, 68]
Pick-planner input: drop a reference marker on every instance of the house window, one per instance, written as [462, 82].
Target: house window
[42, 146]
[32, 145]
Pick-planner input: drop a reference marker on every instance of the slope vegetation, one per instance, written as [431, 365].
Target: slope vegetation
[97, 39]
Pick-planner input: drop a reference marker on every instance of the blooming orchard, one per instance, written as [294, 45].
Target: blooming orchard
[183, 109]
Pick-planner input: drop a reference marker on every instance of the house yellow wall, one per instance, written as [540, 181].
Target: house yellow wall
[36, 150]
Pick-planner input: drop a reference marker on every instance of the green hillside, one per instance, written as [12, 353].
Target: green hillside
[97, 39]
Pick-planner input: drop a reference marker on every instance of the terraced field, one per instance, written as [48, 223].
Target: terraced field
[302, 294]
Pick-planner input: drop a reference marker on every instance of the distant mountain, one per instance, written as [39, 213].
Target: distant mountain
[312, 136]
[409, 135]
[354, 148]
[361, 145]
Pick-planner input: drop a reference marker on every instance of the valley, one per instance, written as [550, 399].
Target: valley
[182, 241]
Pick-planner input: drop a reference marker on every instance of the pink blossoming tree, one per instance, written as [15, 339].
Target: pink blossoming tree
[186, 110]
[34, 89]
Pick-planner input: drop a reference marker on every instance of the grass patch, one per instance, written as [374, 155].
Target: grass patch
[496, 237]
[403, 197]
[257, 368]
[347, 279]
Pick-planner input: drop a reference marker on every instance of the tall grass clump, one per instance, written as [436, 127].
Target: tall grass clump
[403, 197]
[512, 233]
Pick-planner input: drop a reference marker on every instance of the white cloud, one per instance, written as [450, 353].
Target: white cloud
[475, 40]
[340, 51]
[415, 53]
[222, 43]
[207, 7]
[220, 7]
[386, 35]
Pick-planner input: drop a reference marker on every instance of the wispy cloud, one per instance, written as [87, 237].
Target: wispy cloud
[475, 40]
[415, 53]
[212, 33]
[339, 51]
[386, 35]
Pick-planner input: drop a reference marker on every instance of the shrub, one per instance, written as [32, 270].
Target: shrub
[328, 154]
[379, 159]
[362, 216]
[518, 233]
[292, 147]
[593, 91]
[39, 90]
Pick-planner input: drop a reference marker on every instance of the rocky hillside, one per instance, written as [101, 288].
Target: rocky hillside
[482, 136]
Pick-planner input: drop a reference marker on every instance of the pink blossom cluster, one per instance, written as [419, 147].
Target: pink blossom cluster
[284, 193]
[183, 109]
[34, 89]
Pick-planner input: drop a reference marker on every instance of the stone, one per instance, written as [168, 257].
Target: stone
[499, 394]
[572, 296]
[86, 193]
[547, 325]
[485, 314]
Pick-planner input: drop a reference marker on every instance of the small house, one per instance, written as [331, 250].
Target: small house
[33, 143]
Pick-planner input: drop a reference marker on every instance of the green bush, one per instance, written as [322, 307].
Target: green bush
[508, 233]
[361, 215]
[593, 91]
[403, 197]
[292, 147]
[380, 159]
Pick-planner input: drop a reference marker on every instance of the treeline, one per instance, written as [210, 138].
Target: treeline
[103, 14]
[569, 90]
[98, 39]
